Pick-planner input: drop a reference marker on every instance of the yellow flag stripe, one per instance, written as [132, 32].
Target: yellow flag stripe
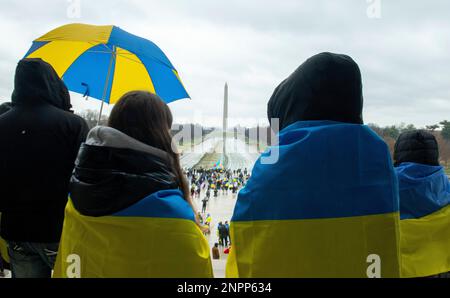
[4, 250]
[425, 244]
[112, 246]
[332, 247]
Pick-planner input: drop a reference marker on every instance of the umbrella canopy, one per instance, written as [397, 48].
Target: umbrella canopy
[105, 62]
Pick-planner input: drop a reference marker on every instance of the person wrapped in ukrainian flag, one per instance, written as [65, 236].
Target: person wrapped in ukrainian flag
[323, 202]
[129, 213]
[424, 205]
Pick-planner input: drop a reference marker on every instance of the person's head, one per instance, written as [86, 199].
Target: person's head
[146, 118]
[226, 222]
[36, 82]
[5, 107]
[326, 87]
[220, 223]
[418, 146]
[216, 244]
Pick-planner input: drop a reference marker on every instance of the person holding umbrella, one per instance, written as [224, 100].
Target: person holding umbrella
[128, 193]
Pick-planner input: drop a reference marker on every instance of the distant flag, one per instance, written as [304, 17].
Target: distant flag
[218, 164]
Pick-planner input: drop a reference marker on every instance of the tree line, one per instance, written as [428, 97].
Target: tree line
[264, 135]
[440, 130]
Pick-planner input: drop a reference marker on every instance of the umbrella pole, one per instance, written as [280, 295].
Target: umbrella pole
[108, 76]
[100, 114]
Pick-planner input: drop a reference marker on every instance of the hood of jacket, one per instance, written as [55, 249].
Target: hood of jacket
[326, 87]
[418, 147]
[36, 83]
[114, 171]
[423, 189]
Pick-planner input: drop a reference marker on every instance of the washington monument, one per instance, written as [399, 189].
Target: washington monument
[225, 125]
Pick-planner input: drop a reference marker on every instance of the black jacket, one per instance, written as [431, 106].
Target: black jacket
[40, 139]
[222, 231]
[5, 107]
[114, 171]
[326, 87]
[416, 146]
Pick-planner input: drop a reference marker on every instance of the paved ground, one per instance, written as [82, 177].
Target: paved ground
[221, 209]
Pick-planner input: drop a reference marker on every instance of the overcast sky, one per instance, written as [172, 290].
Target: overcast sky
[403, 49]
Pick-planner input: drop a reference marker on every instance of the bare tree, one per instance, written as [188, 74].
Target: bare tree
[444, 149]
[432, 128]
[91, 117]
[445, 130]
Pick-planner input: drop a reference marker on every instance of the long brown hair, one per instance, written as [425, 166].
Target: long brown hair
[146, 118]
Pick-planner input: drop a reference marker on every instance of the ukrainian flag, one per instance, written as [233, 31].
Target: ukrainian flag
[3, 247]
[327, 208]
[156, 237]
[425, 219]
[4, 250]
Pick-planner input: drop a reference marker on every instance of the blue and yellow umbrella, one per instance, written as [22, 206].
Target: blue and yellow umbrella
[105, 62]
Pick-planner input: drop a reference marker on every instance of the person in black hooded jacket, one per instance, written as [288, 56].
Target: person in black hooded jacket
[326, 173]
[327, 86]
[418, 146]
[130, 202]
[424, 191]
[40, 141]
[5, 107]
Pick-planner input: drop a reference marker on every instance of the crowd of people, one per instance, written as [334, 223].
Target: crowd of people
[212, 183]
[332, 205]
[216, 181]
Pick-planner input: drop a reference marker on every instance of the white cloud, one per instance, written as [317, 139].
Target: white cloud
[254, 45]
